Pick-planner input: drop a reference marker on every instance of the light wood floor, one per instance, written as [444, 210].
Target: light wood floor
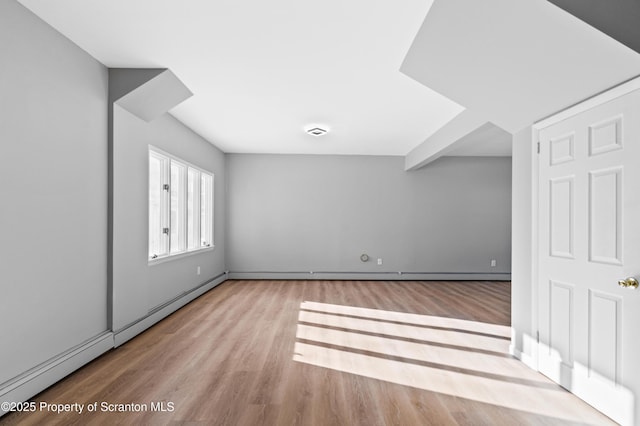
[323, 353]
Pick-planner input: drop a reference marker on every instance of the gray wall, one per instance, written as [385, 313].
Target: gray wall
[319, 213]
[521, 284]
[53, 155]
[138, 287]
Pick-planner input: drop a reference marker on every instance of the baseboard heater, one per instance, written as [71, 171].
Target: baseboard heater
[44, 375]
[156, 314]
[37, 379]
[360, 275]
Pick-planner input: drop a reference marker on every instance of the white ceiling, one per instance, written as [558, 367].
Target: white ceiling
[262, 71]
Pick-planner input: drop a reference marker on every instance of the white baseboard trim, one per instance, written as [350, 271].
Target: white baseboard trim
[386, 276]
[526, 359]
[130, 331]
[41, 377]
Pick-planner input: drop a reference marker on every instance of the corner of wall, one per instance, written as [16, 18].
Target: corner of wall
[523, 295]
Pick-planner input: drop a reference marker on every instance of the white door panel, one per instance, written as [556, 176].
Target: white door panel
[588, 239]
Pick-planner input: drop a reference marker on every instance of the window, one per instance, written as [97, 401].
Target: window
[180, 206]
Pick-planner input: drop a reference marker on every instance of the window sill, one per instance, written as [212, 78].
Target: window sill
[170, 257]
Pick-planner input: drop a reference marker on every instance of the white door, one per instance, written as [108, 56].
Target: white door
[589, 239]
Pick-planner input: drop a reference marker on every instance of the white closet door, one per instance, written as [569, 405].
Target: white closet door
[589, 239]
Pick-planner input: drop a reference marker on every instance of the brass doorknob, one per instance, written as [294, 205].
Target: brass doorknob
[628, 283]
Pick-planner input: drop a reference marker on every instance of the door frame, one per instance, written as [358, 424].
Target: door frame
[615, 92]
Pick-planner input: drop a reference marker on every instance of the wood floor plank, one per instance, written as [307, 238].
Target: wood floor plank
[322, 353]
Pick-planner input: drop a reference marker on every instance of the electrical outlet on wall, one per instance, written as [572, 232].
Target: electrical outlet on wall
[379, 261]
[493, 263]
[198, 271]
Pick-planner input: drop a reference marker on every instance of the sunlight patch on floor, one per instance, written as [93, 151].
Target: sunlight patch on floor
[415, 319]
[422, 353]
[440, 334]
[455, 357]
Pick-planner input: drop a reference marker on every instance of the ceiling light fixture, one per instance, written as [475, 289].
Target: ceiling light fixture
[316, 131]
